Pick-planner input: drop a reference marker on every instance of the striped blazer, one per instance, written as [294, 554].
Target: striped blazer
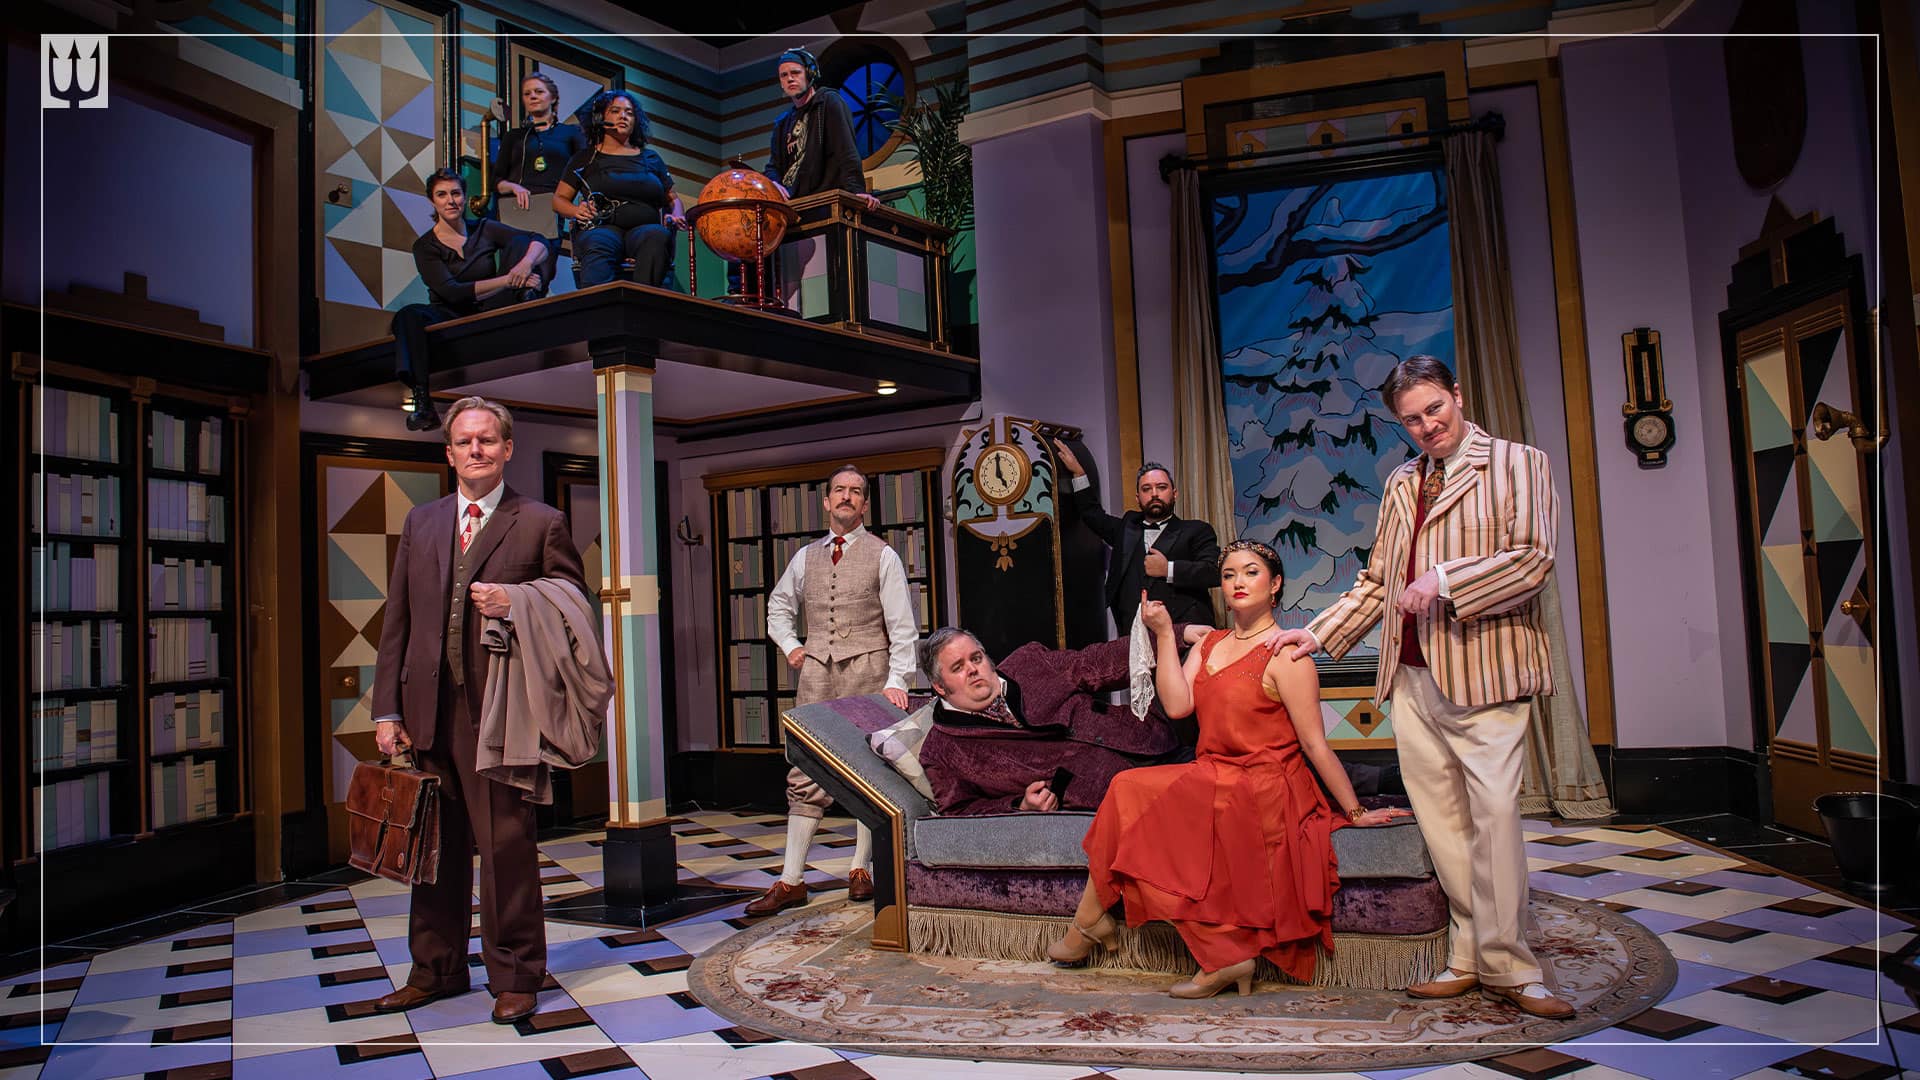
[1492, 530]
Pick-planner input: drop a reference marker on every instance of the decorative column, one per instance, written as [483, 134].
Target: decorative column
[639, 852]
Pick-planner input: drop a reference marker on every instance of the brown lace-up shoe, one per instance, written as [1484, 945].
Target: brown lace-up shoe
[779, 897]
[859, 885]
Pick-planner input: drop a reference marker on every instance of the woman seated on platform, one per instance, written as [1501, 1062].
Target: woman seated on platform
[528, 162]
[468, 267]
[627, 207]
[1235, 848]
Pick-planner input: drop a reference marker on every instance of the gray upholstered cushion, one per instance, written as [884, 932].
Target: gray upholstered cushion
[1053, 840]
[841, 727]
[1002, 840]
[1387, 851]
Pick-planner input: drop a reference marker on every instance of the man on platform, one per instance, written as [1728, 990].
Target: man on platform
[852, 590]
[454, 555]
[1176, 561]
[813, 147]
[1465, 544]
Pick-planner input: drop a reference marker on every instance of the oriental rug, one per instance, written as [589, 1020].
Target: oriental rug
[813, 977]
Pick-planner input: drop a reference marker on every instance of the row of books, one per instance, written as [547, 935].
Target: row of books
[192, 721]
[752, 723]
[743, 512]
[83, 505]
[749, 663]
[911, 546]
[182, 510]
[798, 508]
[73, 733]
[77, 425]
[182, 791]
[77, 655]
[747, 615]
[785, 548]
[190, 584]
[744, 570]
[89, 582]
[167, 443]
[72, 811]
[898, 497]
[181, 649]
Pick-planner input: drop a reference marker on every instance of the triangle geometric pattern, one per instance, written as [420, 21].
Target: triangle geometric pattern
[1783, 574]
[1356, 719]
[1790, 675]
[1768, 403]
[1850, 699]
[377, 130]
[368, 508]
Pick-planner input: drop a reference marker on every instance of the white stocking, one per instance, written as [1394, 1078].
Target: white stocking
[800, 832]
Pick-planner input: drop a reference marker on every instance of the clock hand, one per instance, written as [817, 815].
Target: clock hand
[999, 469]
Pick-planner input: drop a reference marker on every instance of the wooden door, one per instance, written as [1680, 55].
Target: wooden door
[1810, 574]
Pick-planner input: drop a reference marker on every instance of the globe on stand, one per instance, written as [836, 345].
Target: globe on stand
[742, 217]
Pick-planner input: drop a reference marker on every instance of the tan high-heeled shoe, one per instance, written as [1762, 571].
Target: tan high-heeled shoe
[1104, 934]
[1209, 983]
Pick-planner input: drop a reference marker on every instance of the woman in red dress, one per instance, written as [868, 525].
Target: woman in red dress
[1234, 848]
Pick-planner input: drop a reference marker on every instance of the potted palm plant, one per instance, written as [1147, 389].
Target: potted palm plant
[929, 130]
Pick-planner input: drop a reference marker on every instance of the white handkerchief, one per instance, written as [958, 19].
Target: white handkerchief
[1141, 659]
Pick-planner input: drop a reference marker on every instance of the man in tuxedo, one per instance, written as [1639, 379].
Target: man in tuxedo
[454, 555]
[1176, 561]
[1464, 545]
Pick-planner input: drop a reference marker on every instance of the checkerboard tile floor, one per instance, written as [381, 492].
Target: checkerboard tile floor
[1777, 979]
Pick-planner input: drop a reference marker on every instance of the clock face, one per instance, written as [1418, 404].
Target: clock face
[1650, 431]
[1001, 474]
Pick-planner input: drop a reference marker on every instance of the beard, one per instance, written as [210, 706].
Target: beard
[1156, 509]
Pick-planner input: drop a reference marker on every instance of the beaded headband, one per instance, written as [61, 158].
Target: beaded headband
[1271, 556]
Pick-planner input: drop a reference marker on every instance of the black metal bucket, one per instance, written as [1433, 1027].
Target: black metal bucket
[1853, 819]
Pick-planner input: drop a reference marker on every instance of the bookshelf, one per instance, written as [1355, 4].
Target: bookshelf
[761, 518]
[133, 727]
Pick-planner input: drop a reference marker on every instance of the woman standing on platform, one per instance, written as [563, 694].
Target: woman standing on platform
[627, 207]
[1234, 848]
[528, 163]
[468, 267]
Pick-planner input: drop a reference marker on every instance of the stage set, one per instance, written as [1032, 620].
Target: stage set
[1016, 264]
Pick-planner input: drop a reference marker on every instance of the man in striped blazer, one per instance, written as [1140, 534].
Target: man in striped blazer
[1465, 544]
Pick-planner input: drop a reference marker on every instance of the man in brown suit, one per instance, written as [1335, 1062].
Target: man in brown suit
[454, 555]
[1465, 544]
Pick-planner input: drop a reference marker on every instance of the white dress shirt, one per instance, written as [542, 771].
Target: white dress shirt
[903, 628]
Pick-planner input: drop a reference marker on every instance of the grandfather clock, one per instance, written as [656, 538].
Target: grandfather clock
[1004, 500]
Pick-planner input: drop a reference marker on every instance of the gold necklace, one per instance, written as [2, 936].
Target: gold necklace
[1237, 636]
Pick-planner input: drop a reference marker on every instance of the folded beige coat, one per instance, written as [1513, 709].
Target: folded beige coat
[548, 686]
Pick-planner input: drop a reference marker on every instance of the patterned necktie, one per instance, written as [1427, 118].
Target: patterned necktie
[1430, 487]
[473, 526]
[999, 712]
[839, 546]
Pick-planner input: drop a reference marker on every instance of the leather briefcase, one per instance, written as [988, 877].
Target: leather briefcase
[393, 821]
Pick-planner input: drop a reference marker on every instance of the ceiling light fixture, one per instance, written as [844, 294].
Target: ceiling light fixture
[886, 388]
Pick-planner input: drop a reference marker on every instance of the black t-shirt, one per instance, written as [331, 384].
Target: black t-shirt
[536, 159]
[640, 180]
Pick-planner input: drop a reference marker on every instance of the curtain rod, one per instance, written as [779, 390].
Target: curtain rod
[1490, 122]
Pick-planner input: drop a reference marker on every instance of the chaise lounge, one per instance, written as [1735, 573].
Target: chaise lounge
[1001, 886]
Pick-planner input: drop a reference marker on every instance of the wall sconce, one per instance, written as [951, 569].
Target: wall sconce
[1649, 413]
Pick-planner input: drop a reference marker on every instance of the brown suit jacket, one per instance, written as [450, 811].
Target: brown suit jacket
[524, 540]
[1493, 528]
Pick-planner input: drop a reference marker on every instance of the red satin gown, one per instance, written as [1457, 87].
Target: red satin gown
[1234, 848]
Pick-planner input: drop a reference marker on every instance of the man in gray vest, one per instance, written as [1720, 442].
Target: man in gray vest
[454, 555]
[852, 591]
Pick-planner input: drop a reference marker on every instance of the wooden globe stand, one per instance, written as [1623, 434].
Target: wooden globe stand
[763, 294]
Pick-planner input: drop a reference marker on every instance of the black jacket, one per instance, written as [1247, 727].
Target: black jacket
[1191, 545]
[826, 157]
[558, 144]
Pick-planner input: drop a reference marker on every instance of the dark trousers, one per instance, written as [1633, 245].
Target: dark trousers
[475, 811]
[410, 323]
[597, 253]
